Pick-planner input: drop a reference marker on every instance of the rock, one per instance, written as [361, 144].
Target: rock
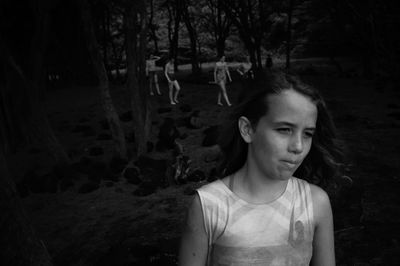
[83, 165]
[109, 184]
[130, 137]
[96, 151]
[104, 124]
[164, 110]
[152, 170]
[98, 171]
[89, 133]
[185, 108]
[88, 187]
[73, 152]
[150, 146]
[194, 120]
[111, 177]
[22, 189]
[391, 256]
[211, 136]
[126, 117]
[65, 184]
[117, 164]
[167, 134]
[145, 189]
[67, 172]
[184, 136]
[182, 122]
[393, 106]
[104, 136]
[34, 150]
[395, 115]
[82, 129]
[47, 183]
[132, 176]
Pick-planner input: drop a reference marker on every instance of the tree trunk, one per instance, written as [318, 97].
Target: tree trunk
[153, 28]
[175, 41]
[192, 36]
[39, 127]
[20, 245]
[136, 83]
[289, 34]
[220, 46]
[104, 85]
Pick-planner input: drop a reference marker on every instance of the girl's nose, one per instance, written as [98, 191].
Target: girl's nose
[296, 144]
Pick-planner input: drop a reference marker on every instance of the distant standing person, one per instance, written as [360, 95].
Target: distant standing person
[221, 70]
[151, 73]
[246, 69]
[172, 82]
[268, 62]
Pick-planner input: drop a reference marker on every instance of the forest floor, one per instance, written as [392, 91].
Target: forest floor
[116, 221]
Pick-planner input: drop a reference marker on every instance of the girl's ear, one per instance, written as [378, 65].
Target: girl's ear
[245, 129]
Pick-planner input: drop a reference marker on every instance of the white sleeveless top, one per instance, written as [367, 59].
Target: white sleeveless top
[241, 233]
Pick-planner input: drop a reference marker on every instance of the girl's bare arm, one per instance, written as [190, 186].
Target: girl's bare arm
[166, 72]
[194, 243]
[228, 73]
[323, 243]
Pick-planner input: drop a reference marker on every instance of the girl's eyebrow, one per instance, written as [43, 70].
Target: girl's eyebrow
[285, 123]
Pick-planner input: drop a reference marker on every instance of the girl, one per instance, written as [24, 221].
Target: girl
[221, 70]
[261, 213]
[151, 73]
[172, 82]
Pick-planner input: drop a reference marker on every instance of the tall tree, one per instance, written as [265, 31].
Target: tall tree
[175, 17]
[104, 84]
[136, 44]
[289, 32]
[27, 78]
[247, 16]
[39, 128]
[20, 244]
[153, 27]
[189, 19]
[220, 24]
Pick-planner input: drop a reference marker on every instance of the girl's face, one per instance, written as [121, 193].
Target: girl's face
[283, 136]
[222, 59]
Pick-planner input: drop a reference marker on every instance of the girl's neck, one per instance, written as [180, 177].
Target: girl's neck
[255, 188]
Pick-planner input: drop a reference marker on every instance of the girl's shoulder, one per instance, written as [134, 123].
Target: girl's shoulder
[214, 187]
[317, 193]
[321, 202]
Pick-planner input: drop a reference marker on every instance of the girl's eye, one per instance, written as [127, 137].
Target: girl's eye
[285, 130]
[309, 134]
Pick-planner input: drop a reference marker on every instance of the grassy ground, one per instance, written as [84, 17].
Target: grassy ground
[112, 226]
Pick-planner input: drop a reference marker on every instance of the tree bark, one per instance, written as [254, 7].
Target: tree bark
[152, 27]
[192, 36]
[250, 29]
[104, 84]
[221, 25]
[136, 22]
[289, 34]
[39, 127]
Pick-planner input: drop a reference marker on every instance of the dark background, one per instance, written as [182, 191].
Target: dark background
[89, 159]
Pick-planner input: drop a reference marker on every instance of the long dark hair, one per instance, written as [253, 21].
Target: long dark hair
[323, 163]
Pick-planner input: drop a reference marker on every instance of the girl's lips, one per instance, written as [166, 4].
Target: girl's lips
[290, 164]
